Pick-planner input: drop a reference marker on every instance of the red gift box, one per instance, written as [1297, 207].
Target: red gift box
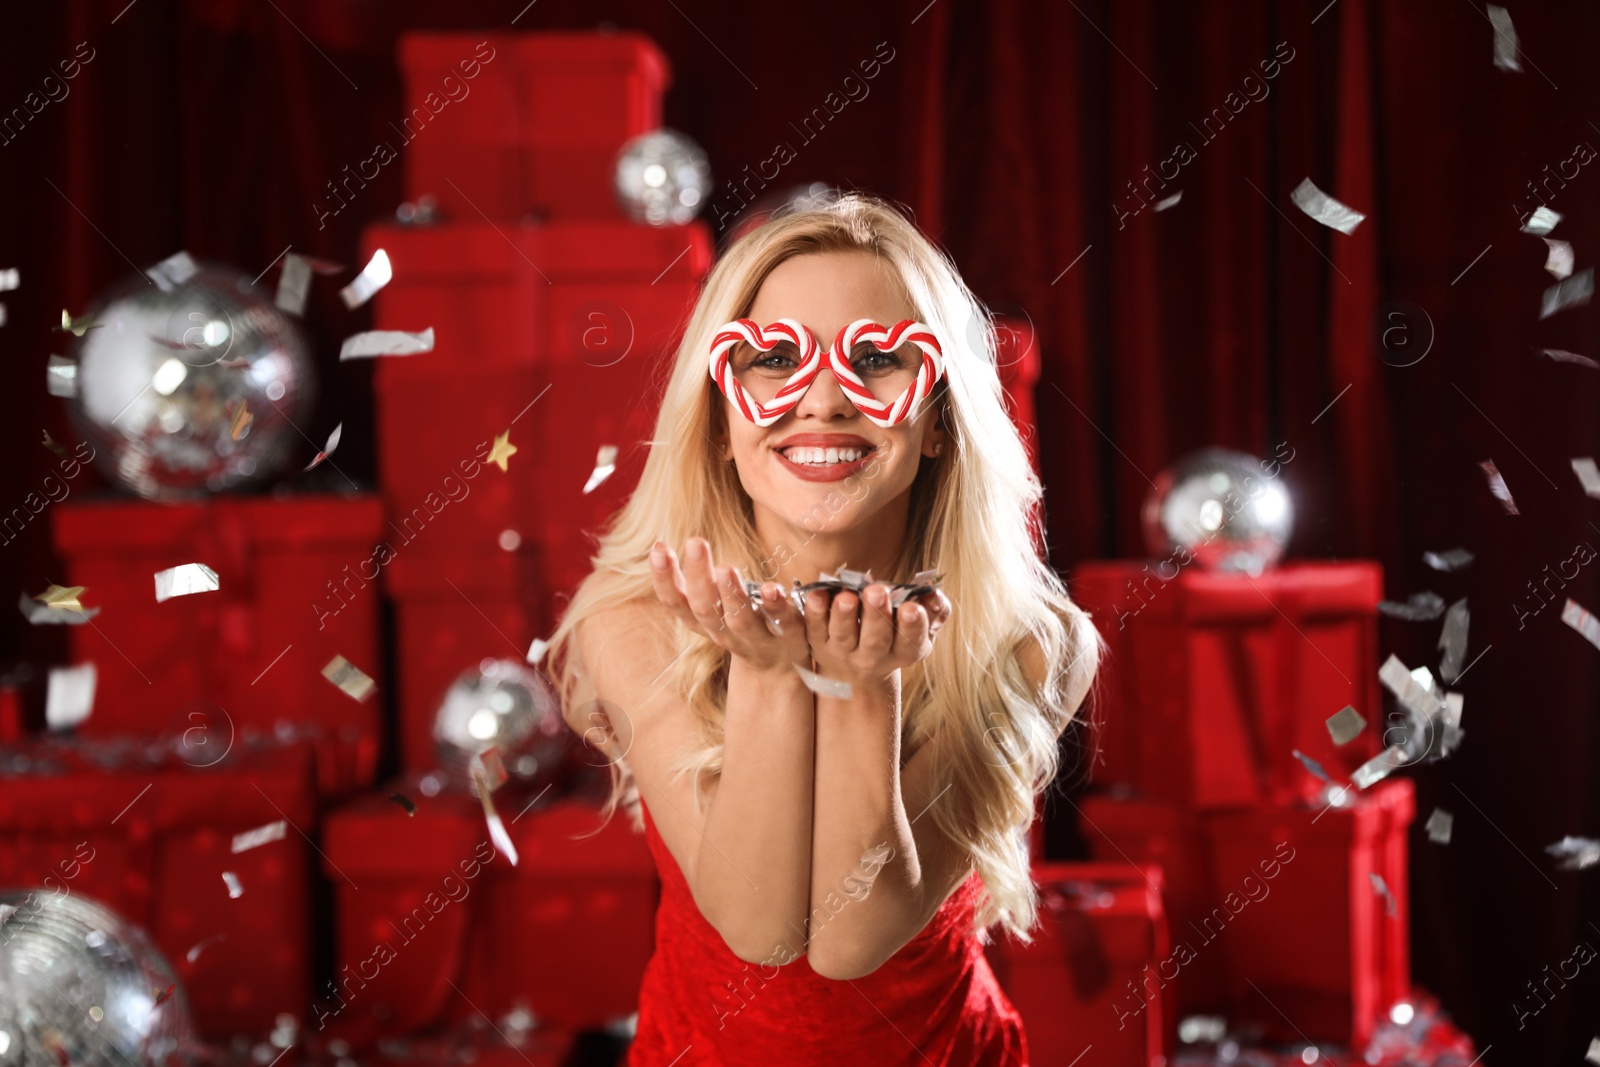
[150, 837]
[1213, 680]
[242, 659]
[1086, 986]
[434, 927]
[503, 125]
[1322, 952]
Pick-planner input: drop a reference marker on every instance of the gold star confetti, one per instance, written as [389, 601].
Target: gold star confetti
[502, 451]
[76, 327]
[62, 596]
[241, 420]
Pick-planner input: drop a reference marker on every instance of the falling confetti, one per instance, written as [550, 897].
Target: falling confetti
[1588, 474]
[327, 449]
[826, 687]
[163, 995]
[62, 596]
[497, 829]
[1162, 205]
[1497, 486]
[1311, 765]
[405, 802]
[53, 446]
[10, 278]
[374, 276]
[235, 890]
[1580, 620]
[1570, 292]
[604, 464]
[1345, 725]
[241, 420]
[195, 950]
[386, 343]
[1379, 767]
[537, 650]
[294, 285]
[173, 271]
[500, 455]
[185, 579]
[61, 376]
[1324, 208]
[1577, 853]
[1542, 221]
[44, 614]
[1380, 887]
[350, 678]
[261, 835]
[1438, 826]
[1559, 259]
[1505, 39]
[1454, 560]
[77, 327]
[1420, 607]
[69, 697]
[1453, 639]
[1562, 356]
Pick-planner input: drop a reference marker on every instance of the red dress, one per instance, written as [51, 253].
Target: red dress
[934, 1003]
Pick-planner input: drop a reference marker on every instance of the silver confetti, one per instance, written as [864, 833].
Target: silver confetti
[1379, 767]
[604, 464]
[327, 449]
[1497, 486]
[1380, 887]
[497, 828]
[1311, 765]
[1570, 292]
[351, 679]
[1418, 695]
[1588, 474]
[1454, 560]
[1162, 205]
[1593, 1055]
[61, 376]
[386, 343]
[1505, 39]
[1421, 607]
[1324, 208]
[826, 687]
[1559, 259]
[10, 278]
[1577, 852]
[235, 890]
[537, 650]
[172, 271]
[1439, 825]
[261, 835]
[1345, 725]
[69, 697]
[374, 276]
[1580, 620]
[1563, 356]
[48, 614]
[1542, 221]
[185, 579]
[294, 284]
[1453, 639]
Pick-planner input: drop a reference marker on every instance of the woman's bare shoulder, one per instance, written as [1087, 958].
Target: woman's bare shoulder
[625, 645]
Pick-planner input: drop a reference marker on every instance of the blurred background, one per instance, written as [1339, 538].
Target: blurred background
[1045, 146]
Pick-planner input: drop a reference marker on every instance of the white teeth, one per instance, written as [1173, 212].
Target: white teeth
[822, 457]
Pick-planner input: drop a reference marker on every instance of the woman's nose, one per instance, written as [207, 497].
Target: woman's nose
[826, 396]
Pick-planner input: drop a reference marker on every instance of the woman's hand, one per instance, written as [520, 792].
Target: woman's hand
[712, 601]
[880, 642]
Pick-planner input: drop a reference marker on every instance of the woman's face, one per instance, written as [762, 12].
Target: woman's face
[826, 291]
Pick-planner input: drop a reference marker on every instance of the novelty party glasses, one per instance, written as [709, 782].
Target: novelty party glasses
[886, 373]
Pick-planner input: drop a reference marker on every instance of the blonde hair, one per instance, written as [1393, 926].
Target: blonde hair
[974, 515]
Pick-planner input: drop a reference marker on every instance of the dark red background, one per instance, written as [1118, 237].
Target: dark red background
[1010, 127]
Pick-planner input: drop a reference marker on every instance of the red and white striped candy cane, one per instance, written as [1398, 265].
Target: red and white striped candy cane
[905, 405]
[764, 339]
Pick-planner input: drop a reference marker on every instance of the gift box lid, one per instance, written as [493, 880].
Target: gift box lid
[1122, 902]
[1368, 814]
[376, 837]
[571, 250]
[1170, 591]
[295, 522]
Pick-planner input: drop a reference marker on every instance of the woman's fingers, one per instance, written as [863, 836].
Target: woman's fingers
[817, 616]
[843, 630]
[668, 581]
[914, 630]
[877, 623]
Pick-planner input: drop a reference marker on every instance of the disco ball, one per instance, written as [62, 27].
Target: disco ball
[80, 986]
[189, 388]
[1222, 508]
[504, 705]
[663, 178]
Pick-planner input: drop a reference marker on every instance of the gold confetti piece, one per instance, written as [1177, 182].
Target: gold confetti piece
[1558, 261]
[386, 343]
[537, 650]
[1324, 208]
[235, 890]
[241, 420]
[161, 995]
[185, 579]
[1438, 826]
[1379, 767]
[497, 829]
[500, 455]
[327, 449]
[1453, 639]
[76, 327]
[405, 802]
[826, 687]
[53, 446]
[1574, 615]
[1505, 39]
[40, 614]
[1454, 560]
[69, 697]
[62, 596]
[1542, 221]
[1345, 725]
[374, 276]
[1569, 292]
[1588, 474]
[604, 464]
[1497, 486]
[61, 376]
[261, 835]
[350, 678]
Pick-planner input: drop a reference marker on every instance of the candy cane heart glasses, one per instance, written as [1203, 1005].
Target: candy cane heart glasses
[886, 373]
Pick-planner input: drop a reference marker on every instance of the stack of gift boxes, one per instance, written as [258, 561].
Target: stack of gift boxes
[1272, 901]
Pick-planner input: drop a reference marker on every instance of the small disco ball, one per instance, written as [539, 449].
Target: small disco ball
[504, 705]
[80, 986]
[189, 388]
[663, 178]
[1222, 508]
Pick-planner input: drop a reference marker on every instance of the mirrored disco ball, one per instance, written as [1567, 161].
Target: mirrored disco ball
[505, 705]
[192, 388]
[663, 178]
[1222, 508]
[80, 986]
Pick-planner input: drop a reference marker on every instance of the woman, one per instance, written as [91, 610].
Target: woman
[831, 857]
